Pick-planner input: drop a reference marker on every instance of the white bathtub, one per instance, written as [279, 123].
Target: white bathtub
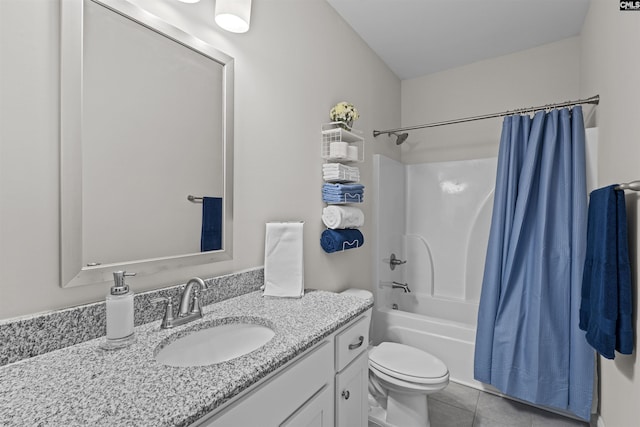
[447, 310]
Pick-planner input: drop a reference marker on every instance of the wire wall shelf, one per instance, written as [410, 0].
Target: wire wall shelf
[341, 145]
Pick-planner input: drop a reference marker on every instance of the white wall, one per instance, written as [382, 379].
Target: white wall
[537, 76]
[610, 66]
[296, 62]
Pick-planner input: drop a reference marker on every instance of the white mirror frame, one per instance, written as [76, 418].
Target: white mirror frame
[72, 270]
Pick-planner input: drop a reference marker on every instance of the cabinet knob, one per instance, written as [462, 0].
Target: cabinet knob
[346, 394]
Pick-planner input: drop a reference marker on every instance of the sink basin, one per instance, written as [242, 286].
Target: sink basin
[214, 344]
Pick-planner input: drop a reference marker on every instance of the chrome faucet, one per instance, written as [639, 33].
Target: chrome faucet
[191, 305]
[189, 310]
[403, 286]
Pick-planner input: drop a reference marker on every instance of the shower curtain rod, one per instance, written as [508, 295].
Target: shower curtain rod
[592, 100]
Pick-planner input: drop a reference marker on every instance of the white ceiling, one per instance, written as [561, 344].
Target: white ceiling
[419, 37]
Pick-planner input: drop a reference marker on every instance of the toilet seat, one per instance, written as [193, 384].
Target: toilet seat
[405, 363]
[389, 383]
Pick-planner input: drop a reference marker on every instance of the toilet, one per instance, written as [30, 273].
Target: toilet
[400, 378]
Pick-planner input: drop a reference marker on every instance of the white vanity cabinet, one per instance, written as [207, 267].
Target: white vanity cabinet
[324, 387]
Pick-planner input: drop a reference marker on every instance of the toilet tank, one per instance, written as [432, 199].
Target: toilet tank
[360, 293]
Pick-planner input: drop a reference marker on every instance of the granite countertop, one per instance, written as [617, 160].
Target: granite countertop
[84, 385]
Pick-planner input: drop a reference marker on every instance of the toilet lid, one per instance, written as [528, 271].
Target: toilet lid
[407, 363]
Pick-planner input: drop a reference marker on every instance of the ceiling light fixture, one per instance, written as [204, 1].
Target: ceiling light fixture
[189, 1]
[233, 15]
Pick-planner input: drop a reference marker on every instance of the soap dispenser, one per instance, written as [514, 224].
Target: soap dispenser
[119, 313]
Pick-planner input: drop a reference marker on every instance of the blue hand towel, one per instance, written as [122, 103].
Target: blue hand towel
[211, 238]
[605, 309]
[341, 239]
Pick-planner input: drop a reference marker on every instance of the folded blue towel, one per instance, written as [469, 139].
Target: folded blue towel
[345, 198]
[338, 188]
[211, 237]
[342, 195]
[341, 239]
[325, 191]
[342, 187]
[606, 304]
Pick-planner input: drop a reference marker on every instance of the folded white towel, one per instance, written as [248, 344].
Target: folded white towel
[339, 174]
[283, 260]
[342, 217]
[340, 170]
[338, 166]
[332, 165]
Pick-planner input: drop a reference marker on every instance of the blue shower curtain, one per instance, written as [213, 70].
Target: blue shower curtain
[528, 344]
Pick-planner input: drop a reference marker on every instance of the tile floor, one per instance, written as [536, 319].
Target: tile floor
[461, 406]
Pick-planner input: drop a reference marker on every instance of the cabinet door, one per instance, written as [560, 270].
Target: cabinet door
[273, 401]
[317, 412]
[352, 406]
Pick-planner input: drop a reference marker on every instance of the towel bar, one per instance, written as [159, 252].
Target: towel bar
[194, 199]
[633, 185]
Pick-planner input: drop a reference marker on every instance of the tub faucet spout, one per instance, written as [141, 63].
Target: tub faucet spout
[403, 286]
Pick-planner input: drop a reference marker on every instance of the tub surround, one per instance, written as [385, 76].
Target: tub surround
[84, 385]
[41, 333]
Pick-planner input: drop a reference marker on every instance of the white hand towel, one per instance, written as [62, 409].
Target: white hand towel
[283, 260]
[342, 217]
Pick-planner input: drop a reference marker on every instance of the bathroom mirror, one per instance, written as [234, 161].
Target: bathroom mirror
[146, 120]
